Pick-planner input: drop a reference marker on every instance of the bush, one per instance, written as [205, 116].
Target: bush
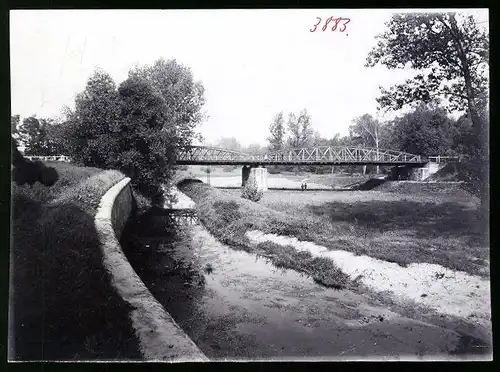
[250, 191]
[228, 168]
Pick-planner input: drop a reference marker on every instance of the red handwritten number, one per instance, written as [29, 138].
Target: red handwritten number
[336, 24]
[337, 20]
[347, 20]
[316, 25]
[326, 23]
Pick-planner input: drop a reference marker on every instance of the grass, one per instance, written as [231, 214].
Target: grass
[441, 229]
[439, 225]
[228, 217]
[321, 269]
[64, 306]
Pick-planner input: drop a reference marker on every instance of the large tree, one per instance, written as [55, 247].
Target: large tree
[184, 97]
[370, 132]
[427, 131]
[300, 130]
[132, 128]
[307, 133]
[94, 123]
[36, 134]
[294, 136]
[451, 53]
[277, 129]
[144, 148]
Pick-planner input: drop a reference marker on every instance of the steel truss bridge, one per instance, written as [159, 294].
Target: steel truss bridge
[325, 155]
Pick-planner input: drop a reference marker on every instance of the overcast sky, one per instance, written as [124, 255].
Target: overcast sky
[253, 64]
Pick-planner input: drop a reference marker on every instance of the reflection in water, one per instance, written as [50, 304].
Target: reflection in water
[235, 305]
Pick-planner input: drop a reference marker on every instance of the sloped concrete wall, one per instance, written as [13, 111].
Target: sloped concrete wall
[160, 337]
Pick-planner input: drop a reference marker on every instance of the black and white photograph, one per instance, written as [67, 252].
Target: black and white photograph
[204, 185]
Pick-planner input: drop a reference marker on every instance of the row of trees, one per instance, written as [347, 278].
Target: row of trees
[137, 127]
[427, 130]
[298, 131]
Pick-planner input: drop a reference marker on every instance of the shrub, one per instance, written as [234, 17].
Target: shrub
[250, 191]
[228, 168]
[228, 210]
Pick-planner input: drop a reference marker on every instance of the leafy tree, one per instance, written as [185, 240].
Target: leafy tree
[293, 127]
[92, 127]
[128, 128]
[317, 140]
[464, 141]
[306, 130]
[184, 97]
[57, 138]
[144, 148]
[451, 52]
[370, 131]
[426, 131]
[277, 138]
[301, 133]
[35, 135]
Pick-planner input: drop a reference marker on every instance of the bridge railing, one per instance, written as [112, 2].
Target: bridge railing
[50, 158]
[444, 159]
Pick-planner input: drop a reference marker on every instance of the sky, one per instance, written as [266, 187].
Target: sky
[252, 63]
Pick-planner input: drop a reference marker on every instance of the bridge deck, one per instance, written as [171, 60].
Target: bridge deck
[292, 162]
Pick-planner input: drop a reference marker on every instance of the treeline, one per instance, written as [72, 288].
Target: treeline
[137, 127]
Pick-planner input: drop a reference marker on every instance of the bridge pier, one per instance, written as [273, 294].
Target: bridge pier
[259, 174]
[245, 174]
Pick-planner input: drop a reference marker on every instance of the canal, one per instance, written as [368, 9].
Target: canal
[236, 305]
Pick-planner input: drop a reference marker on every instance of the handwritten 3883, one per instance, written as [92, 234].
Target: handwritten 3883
[335, 25]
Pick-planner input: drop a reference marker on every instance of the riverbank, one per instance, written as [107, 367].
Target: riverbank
[229, 218]
[236, 305]
[390, 245]
[63, 305]
[404, 228]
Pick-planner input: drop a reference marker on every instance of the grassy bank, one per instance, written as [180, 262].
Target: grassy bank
[64, 306]
[228, 217]
[440, 228]
[403, 228]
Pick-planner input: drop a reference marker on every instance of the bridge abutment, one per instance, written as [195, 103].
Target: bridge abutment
[414, 174]
[259, 174]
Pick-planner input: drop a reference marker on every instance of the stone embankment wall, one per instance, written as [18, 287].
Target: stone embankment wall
[160, 337]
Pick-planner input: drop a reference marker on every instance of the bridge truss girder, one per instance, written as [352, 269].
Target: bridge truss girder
[303, 156]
